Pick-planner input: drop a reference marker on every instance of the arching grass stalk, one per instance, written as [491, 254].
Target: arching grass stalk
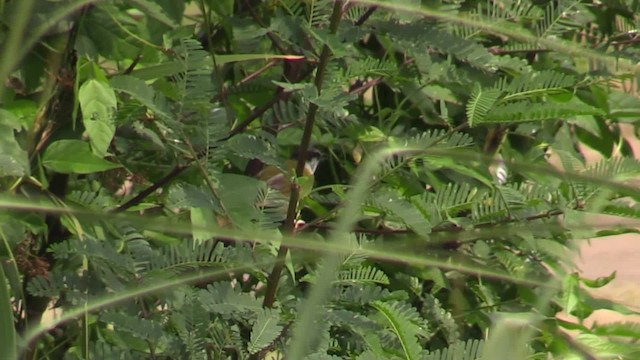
[116, 298]
[310, 310]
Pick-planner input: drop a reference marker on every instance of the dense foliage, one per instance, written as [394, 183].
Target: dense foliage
[435, 227]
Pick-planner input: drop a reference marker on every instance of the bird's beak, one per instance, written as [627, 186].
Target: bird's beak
[313, 164]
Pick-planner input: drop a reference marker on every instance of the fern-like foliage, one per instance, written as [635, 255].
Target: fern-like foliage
[206, 92]
[521, 111]
[421, 35]
[559, 18]
[405, 325]
[264, 331]
[538, 83]
[194, 80]
[190, 255]
[469, 350]
[480, 104]
[148, 330]
[318, 12]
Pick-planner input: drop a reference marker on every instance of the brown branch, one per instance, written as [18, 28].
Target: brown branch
[133, 65]
[274, 275]
[223, 94]
[498, 51]
[358, 89]
[443, 228]
[365, 16]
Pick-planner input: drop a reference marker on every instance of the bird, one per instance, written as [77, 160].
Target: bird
[280, 180]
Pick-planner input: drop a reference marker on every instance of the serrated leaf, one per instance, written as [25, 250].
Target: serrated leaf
[98, 102]
[74, 156]
[264, 331]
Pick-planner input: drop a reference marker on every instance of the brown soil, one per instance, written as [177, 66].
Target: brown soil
[621, 253]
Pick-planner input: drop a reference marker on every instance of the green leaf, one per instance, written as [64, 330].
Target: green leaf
[153, 10]
[440, 93]
[201, 218]
[98, 102]
[623, 106]
[570, 296]
[599, 282]
[140, 91]
[605, 304]
[23, 113]
[508, 338]
[134, 87]
[337, 47]
[238, 193]
[369, 133]
[618, 231]
[74, 156]
[14, 161]
[264, 331]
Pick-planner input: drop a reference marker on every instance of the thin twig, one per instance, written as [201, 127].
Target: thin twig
[178, 169]
[254, 115]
